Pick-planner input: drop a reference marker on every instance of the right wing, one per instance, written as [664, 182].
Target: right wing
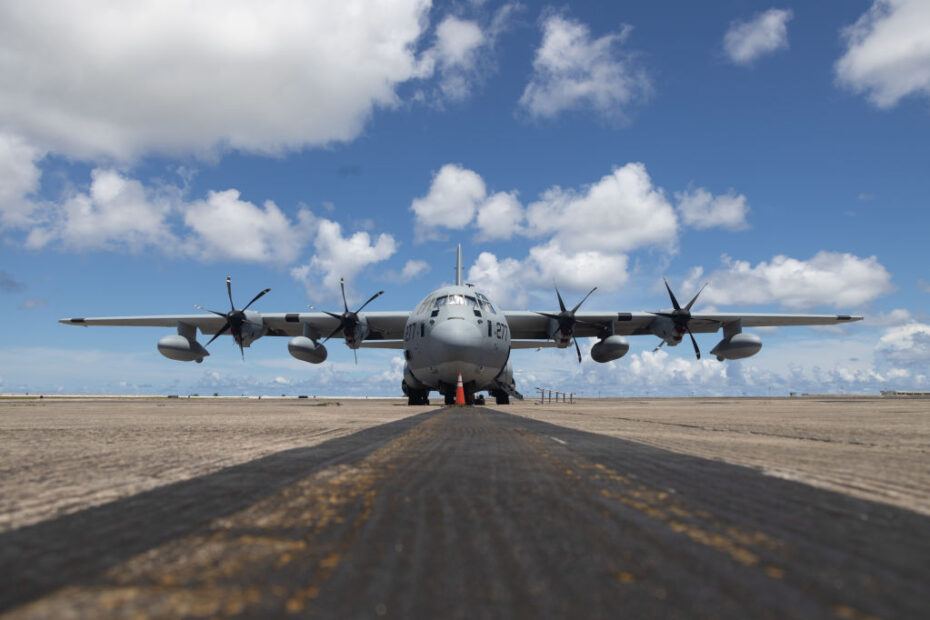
[383, 325]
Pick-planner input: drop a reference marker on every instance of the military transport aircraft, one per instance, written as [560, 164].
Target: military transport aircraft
[457, 332]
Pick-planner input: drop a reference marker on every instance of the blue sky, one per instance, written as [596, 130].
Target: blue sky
[776, 151]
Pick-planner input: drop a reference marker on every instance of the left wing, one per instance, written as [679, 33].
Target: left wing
[527, 325]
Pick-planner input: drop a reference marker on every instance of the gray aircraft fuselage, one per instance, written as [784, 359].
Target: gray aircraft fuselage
[456, 331]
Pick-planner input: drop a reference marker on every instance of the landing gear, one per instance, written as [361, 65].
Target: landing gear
[479, 399]
[417, 398]
[450, 398]
[501, 397]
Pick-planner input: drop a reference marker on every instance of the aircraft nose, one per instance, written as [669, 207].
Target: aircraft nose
[459, 340]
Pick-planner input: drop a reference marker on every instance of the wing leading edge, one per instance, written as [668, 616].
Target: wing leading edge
[382, 325]
[528, 325]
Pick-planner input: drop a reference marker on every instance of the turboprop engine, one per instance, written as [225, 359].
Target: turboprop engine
[306, 350]
[182, 348]
[737, 346]
[610, 349]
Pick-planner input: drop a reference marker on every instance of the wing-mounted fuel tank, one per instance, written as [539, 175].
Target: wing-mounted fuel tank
[609, 349]
[307, 350]
[735, 344]
[183, 346]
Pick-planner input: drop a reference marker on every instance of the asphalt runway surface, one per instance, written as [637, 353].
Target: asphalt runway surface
[663, 507]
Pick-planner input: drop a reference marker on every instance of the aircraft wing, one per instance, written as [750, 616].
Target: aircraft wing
[383, 325]
[711, 322]
[206, 323]
[526, 325]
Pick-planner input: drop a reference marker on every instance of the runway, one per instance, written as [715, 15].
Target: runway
[600, 509]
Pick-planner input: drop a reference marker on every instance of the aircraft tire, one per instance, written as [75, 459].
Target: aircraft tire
[502, 399]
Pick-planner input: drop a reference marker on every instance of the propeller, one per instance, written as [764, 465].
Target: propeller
[680, 317]
[234, 318]
[348, 320]
[566, 319]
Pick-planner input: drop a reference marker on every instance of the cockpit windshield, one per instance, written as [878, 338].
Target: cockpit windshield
[485, 304]
[455, 300]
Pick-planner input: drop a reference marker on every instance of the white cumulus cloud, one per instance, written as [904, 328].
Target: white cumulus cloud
[573, 70]
[120, 79]
[19, 177]
[888, 52]
[338, 257]
[836, 279]
[509, 281]
[764, 34]
[700, 209]
[500, 216]
[621, 212]
[453, 199]
[906, 344]
[117, 214]
[227, 228]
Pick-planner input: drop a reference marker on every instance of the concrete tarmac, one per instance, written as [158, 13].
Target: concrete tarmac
[659, 507]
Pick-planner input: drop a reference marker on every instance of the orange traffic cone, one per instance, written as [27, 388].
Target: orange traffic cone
[460, 392]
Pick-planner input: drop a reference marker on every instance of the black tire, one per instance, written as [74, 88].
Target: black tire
[503, 399]
[417, 397]
[450, 399]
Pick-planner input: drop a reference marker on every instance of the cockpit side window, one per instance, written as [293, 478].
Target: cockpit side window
[485, 304]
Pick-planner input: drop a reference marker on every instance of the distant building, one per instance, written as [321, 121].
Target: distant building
[904, 394]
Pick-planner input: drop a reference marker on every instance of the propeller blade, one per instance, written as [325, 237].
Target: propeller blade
[575, 309]
[218, 334]
[672, 295]
[256, 298]
[232, 306]
[547, 315]
[661, 342]
[370, 299]
[241, 351]
[577, 348]
[561, 303]
[694, 299]
[697, 351]
[334, 332]
[222, 314]
[355, 354]
[342, 285]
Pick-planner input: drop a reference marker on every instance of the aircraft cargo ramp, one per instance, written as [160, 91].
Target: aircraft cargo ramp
[618, 508]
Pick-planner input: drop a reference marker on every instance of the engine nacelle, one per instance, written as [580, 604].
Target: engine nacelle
[737, 346]
[182, 348]
[306, 350]
[610, 349]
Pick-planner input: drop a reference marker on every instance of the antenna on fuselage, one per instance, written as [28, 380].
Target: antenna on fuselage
[458, 266]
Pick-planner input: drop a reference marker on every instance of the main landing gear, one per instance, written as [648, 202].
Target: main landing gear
[417, 397]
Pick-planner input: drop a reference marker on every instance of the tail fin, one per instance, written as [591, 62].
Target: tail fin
[458, 266]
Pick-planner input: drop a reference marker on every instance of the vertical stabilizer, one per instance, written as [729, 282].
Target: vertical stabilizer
[458, 266]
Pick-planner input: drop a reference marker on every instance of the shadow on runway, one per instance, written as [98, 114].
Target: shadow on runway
[503, 515]
[39, 558]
